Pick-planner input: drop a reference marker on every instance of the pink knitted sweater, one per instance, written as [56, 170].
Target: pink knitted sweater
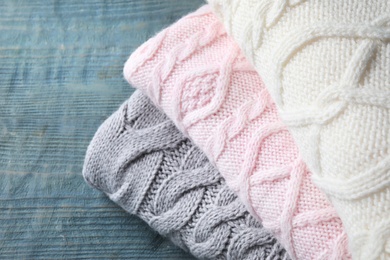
[198, 76]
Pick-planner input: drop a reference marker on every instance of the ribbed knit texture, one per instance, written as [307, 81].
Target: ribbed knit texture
[198, 76]
[143, 163]
[326, 64]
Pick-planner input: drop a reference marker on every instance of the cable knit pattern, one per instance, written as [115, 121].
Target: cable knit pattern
[326, 64]
[198, 76]
[143, 163]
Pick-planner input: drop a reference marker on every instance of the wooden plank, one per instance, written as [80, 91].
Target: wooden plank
[52, 216]
[60, 77]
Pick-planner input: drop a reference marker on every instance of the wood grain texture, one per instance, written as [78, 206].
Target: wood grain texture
[60, 78]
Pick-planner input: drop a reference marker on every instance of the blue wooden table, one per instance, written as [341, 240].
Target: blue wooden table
[60, 78]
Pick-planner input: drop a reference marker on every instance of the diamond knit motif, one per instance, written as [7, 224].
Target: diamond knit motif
[326, 65]
[239, 130]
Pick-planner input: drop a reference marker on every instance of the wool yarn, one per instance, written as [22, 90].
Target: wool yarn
[144, 164]
[326, 64]
[198, 76]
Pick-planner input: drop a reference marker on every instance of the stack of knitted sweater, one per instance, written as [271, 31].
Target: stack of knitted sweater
[260, 130]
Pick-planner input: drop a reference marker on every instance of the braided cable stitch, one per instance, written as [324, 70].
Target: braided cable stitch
[218, 100]
[171, 185]
[326, 65]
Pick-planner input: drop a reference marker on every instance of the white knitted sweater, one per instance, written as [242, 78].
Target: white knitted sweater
[326, 64]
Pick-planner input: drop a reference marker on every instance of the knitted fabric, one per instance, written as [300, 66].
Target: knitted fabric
[326, 64]
[198, 76]
[143, 163]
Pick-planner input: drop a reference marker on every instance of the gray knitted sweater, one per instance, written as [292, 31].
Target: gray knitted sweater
[145, 165]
